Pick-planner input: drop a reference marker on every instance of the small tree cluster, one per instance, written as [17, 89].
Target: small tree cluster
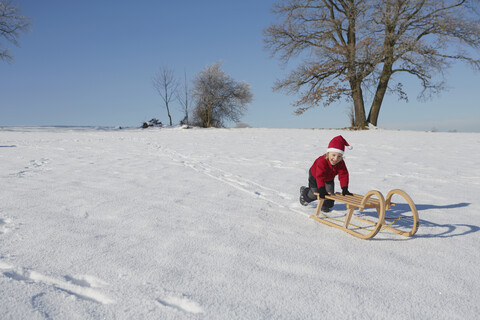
[218, 98]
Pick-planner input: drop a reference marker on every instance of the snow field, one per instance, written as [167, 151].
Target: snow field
[206, 224]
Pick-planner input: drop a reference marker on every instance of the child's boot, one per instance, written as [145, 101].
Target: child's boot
[327, 205]
[303, 200]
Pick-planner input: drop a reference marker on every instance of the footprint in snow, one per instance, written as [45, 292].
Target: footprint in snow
[82, 287]
[40, 305]
[181, 303]
[4, 225]
[35, 166]
[86, 281]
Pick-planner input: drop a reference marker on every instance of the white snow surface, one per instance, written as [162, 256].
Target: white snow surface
[206, 224]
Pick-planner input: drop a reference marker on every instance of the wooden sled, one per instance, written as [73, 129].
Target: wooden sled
[361, 202]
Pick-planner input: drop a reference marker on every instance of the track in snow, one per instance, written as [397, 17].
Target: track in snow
[248, 186]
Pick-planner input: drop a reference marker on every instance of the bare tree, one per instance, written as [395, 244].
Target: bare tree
[357, 46]
[183, 96]
[11, 24]
[166, 85]
[218, 97]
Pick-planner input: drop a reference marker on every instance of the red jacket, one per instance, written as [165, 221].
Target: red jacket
[323, 171]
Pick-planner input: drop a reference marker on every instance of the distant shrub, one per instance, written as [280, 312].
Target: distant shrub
[242, 125]
[152, 123]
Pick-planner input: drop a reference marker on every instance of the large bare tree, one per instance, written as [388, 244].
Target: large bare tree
[352, 48]
[12, 23]
[218, 97]
[165, 83]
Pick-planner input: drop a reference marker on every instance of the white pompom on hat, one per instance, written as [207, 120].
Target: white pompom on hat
[338, 144]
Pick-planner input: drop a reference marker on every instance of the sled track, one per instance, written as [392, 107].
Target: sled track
[279, 199]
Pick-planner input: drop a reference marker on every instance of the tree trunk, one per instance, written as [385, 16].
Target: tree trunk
[358, 104]
[207, 118]
[388, 52]
[380, 94]
[355, 81]
[168, 112]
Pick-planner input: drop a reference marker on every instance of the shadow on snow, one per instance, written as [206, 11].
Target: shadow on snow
[437, 230]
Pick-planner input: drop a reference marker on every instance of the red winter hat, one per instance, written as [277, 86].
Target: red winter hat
[338, 145]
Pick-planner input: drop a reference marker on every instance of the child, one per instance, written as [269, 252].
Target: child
[322, 173]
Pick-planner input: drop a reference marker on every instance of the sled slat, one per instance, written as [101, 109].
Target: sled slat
[355, 200]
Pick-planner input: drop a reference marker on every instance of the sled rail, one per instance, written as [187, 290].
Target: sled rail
[373, 199]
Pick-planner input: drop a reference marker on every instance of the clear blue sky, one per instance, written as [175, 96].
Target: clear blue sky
[90, 62]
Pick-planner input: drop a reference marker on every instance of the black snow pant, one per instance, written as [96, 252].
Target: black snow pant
[310, 196]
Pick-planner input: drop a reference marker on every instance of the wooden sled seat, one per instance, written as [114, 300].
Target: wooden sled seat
[373, 199]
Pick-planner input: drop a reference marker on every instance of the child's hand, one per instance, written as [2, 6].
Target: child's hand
[323, 192]
[345, 192]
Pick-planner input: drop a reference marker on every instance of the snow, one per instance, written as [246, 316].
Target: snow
[179, 223]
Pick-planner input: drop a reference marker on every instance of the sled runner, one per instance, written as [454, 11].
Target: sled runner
[359, 202]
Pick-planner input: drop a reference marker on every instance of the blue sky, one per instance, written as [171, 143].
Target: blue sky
[90, 63]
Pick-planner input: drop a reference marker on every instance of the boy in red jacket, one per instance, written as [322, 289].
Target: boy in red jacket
[322, 173]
